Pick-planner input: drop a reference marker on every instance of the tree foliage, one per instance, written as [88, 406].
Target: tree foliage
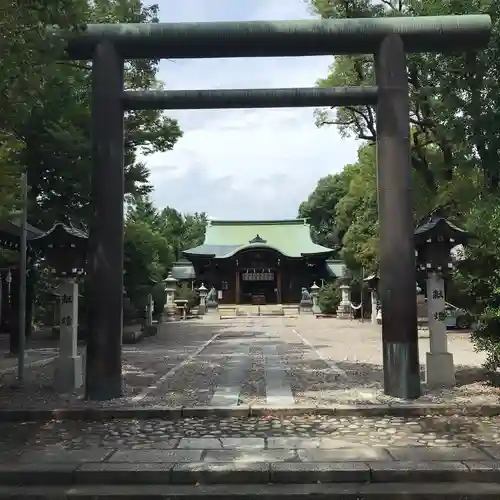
[329, 298]
[153, 241]
[455, 153]
[451, 96]
[46, 106]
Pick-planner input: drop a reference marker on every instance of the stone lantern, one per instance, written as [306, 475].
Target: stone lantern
[170, 287]
[344, 308]
[203, 295]
[433, 242]
[372, 282]
[315, 297]
[65, 248]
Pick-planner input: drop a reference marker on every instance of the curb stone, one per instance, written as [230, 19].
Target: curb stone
[409, 491]
[241, 473]
[391, 491]
[242, 411]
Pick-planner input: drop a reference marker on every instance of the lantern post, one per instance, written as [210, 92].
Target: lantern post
[64, 249]
[434, 240]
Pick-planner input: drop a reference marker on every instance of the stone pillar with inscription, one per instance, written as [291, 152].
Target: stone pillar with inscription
[439, 362]
[372, 282]
[374, 302]
[68, 374]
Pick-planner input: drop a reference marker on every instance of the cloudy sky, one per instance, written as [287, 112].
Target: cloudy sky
[244, 164]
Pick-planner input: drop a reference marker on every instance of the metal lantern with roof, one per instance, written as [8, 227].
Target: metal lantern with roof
[372, 282]
[434, 240]
[64, 247]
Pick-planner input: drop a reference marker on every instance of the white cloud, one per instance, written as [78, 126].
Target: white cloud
[244, 163]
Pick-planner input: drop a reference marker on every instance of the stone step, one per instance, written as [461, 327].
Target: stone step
[244, 471]
[341, 491]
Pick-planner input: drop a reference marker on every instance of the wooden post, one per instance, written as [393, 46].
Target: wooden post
[278, 284]
[237, 287]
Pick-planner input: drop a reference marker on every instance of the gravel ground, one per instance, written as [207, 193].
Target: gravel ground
[143, 365]
[193, 385]
[307, 345]
[357, 349]
[426, 431]
[253, 390]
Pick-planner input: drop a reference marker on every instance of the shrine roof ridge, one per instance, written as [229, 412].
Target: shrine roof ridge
[263, 222]
[309, 37]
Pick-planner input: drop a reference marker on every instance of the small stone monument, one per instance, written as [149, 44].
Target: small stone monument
[344, 309]
[170, 287]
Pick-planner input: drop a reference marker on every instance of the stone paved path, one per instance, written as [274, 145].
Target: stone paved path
[258, 361]
[426, 431]
[250, 450]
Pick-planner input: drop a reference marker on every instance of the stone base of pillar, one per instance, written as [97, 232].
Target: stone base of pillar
[170, 310]
[201, 310]
[316, 309]
[68, 373]
[439, 369]
[344, 310]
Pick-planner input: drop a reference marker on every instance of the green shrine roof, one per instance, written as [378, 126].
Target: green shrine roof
[291, 238]
[183, 270]
[336, 268]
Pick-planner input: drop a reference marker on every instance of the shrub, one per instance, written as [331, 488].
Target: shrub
[184, 292]
[486, 337]
[329, 298]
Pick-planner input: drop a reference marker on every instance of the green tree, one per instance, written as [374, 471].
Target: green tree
[455, 155]
[453, 98]
[153, 240]
[50, 114]
[182, 231]
[319, 209]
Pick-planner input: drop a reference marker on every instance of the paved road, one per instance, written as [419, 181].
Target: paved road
[270, 361]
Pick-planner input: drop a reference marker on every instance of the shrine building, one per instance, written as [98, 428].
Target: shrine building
[259, 262]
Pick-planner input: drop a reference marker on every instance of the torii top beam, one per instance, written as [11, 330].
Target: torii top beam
[281, 38]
